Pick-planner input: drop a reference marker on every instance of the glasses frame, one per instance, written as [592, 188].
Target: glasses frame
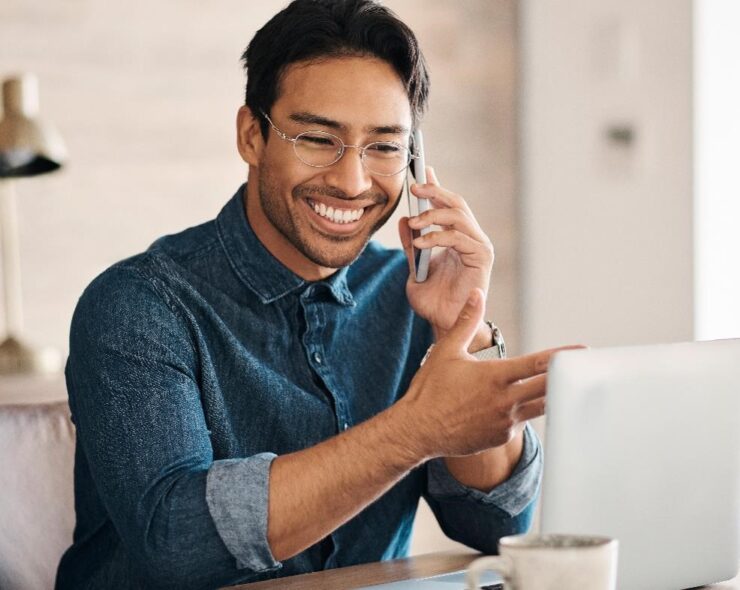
[343, 148]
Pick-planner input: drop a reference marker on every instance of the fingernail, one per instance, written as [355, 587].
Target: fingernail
[419, 242]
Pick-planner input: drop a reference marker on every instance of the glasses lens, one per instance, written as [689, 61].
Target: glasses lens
[317, 148]
[386, 158]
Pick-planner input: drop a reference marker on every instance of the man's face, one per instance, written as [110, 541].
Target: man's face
[360, 100]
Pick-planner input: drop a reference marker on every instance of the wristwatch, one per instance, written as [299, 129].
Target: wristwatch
[497, 351]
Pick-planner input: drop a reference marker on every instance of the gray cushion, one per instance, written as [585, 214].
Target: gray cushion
[36, 493]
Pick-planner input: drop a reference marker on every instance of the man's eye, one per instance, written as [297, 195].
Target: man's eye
[384, 149]
[318, 141]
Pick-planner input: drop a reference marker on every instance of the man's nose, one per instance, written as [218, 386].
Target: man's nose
[349, 173]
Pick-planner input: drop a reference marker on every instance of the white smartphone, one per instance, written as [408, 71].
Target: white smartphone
[418, 169]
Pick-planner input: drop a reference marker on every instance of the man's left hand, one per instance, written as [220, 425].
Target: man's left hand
[464, 264]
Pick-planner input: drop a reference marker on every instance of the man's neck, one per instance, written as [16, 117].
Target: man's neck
[276, 243]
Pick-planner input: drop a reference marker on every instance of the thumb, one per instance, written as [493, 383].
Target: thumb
[404, 231]
[463, 332]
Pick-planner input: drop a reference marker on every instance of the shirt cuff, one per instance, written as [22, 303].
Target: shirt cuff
[512, 496]
[237, 498]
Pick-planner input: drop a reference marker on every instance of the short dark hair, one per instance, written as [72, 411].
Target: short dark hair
[315, 29]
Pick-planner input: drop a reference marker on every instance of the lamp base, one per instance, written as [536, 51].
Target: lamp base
[17, 358]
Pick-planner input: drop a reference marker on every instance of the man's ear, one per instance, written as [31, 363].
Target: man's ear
[249, 138]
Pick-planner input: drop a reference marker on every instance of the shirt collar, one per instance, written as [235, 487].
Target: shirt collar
[256, 267]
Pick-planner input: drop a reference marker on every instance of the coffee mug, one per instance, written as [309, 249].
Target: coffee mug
[551, 562]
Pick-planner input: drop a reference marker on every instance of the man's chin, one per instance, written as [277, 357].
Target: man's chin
[338, 257]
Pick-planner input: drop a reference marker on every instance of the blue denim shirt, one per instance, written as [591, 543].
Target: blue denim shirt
[194, 364]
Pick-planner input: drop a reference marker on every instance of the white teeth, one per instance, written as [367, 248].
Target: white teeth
[337, 215]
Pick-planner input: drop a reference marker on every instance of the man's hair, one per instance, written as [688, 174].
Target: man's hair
[318, 29]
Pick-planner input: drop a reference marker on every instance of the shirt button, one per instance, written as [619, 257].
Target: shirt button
[346, 426]
[317, 357]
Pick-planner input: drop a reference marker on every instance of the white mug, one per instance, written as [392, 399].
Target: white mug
[551, 562]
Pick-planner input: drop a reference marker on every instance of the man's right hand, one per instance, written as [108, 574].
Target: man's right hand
[460, 405]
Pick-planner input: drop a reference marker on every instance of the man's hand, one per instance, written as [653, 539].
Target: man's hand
[464, 264]
[456, 405]
[460, 405]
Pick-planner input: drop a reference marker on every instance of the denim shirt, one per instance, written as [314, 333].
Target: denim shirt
[194, 364]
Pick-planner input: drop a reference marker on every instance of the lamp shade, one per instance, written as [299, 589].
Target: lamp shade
[28, 146]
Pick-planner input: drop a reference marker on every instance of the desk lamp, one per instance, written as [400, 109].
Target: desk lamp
[28, 147]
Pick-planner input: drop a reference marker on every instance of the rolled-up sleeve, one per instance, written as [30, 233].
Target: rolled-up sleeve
[184, 519]
[479, 519]
[236, 493]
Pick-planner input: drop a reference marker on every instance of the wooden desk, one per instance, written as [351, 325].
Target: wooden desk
[392, 571]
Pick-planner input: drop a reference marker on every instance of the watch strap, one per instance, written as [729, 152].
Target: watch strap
[497, 351]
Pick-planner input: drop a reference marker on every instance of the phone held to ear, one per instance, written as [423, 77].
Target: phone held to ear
[421, 256]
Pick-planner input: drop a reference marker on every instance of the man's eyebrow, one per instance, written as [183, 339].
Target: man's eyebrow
[389, 129]
[313, 119]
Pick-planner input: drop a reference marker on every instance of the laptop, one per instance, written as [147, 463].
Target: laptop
[642, 444]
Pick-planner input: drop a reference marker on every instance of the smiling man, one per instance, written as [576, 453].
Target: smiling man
[248, 394]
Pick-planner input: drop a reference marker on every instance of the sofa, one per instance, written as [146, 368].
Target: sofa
[36, 491]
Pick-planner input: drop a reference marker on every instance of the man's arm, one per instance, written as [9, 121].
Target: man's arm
[314, 491]
[141, 432]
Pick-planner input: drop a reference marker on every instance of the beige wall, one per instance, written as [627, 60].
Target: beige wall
[145, 94]
[607, 238]
[607, 228]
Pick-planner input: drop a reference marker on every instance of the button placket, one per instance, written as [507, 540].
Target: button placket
[318, 361]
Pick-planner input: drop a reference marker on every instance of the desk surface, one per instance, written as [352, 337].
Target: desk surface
[392, 571]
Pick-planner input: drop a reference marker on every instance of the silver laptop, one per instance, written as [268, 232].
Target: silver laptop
[643, 444]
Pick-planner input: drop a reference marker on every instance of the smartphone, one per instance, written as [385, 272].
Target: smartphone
[419, 172]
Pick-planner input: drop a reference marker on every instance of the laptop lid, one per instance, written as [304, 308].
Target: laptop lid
[643, 444]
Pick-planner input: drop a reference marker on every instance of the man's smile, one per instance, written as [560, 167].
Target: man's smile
[337, 215]
[331, 217]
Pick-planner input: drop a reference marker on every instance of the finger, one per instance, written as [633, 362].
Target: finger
[523, 367]
[439, 196]
[406, 238]
[452, 219]
[528, 390]
[451, 238]
[530, 410]
[458, 339]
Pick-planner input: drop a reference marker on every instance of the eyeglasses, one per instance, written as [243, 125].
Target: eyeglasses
[320, 149]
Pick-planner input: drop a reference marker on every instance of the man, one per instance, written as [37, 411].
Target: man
[247, 393]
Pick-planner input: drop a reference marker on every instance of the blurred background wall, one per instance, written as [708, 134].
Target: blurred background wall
[607, 200]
